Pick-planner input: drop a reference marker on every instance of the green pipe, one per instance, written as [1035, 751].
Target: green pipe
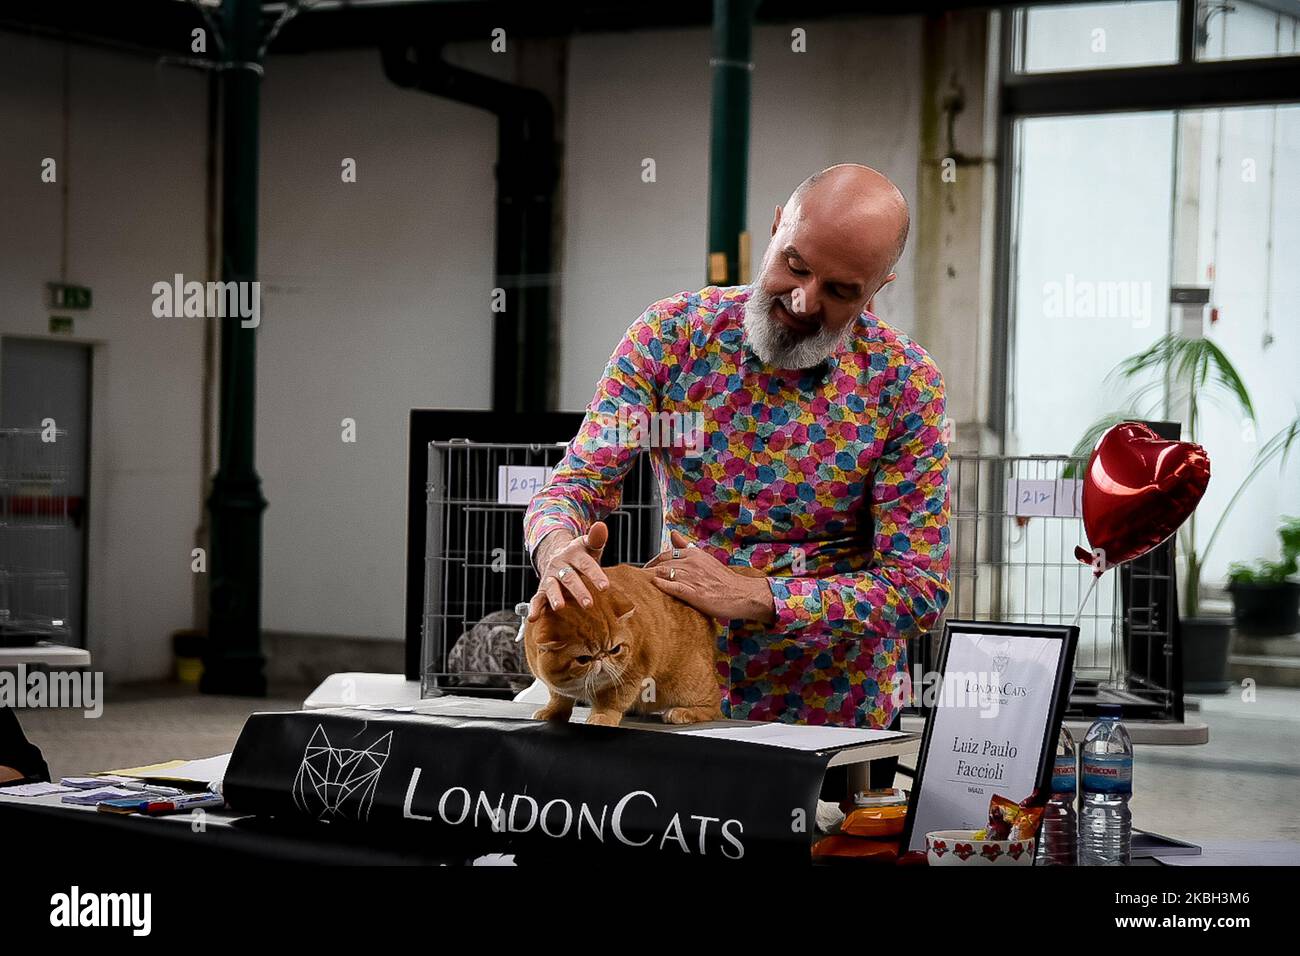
[233, 663]
[732, 65]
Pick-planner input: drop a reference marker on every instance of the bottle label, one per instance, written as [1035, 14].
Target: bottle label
[1065, 775]
[1108, 773]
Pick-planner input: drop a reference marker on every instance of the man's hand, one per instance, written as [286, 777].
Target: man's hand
[706, 584]
[560, 557]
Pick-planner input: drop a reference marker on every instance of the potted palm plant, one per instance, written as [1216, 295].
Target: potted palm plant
[1265, 596]
[1193, 371]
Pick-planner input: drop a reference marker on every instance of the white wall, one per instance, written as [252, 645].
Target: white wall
[853, 97]
[134, 174]
[377, 300]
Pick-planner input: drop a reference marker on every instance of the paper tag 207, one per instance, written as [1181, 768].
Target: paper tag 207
[516, 484]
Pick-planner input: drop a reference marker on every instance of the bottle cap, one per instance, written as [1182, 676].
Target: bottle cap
[1110, 710]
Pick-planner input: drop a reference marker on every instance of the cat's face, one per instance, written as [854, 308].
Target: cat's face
[582, 650]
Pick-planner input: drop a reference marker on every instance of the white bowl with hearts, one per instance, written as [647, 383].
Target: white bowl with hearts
[960, 848]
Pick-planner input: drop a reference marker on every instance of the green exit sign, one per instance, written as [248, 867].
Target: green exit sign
[65, 296]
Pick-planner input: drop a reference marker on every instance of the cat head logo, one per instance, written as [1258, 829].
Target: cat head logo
[338, 783]
[1001, 658]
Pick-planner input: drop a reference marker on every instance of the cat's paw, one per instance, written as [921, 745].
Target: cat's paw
[552, 713]
[689, 715]
[605, 720]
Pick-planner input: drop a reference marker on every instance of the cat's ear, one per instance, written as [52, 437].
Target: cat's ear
[621, 607]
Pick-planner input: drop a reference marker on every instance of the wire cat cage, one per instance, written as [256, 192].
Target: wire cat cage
[476, 568]
[35, 536]
[1014, 526]
[1015, 523]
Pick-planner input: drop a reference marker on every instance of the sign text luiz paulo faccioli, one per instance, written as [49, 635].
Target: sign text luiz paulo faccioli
[978, 758]
[559, 818]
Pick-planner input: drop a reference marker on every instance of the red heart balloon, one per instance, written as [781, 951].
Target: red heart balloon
[1137, 490]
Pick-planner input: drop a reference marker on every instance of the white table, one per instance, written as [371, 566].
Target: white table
[348, 689]
[50, 655]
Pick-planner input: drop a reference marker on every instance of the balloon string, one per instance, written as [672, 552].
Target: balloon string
[1079, 613]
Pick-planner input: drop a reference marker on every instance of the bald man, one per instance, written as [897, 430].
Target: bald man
[809, 443]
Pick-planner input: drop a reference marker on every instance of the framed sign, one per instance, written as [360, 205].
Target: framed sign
[1000, 695]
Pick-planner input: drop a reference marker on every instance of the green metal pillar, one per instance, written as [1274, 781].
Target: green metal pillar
[234, 663]
[732, 64]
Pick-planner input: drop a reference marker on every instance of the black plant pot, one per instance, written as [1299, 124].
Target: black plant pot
[1205, 654]
[1266, 610]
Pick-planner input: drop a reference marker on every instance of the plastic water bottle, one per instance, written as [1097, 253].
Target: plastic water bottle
[1059, 836]
[1105, 824]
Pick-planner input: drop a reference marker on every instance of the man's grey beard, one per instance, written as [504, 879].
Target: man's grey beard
[778, 346]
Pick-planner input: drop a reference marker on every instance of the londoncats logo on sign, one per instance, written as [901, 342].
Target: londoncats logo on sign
[558, 818]
[338, 783]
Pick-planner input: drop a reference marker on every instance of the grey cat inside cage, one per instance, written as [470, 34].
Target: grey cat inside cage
[487, 655]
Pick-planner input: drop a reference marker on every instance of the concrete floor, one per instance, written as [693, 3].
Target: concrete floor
[1243, 785]
[143, 724]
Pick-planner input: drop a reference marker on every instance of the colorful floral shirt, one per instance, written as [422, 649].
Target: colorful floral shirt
[833, 480]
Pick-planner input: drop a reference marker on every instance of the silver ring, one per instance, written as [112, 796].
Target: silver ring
[677, 553]
[559, 575]
[672, 574]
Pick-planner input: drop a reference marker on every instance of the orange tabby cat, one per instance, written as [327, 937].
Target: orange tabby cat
[634, 642]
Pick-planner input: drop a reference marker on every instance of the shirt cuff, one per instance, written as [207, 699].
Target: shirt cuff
[798, 603]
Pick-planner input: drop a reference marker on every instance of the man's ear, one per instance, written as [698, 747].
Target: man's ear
[871, 302]
[776, 220]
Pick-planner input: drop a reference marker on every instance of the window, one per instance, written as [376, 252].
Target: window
[1094, 36]
[1236, 29]
[1113, 209]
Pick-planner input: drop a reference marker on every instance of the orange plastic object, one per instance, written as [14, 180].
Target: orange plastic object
[874, 821]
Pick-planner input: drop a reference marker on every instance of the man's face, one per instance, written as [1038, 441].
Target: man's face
[817, 276]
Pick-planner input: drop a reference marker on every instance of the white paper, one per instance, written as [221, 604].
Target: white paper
[795, 736]
[516, 484]
[88, 797]
[90, 783]
[38, 789]
[1069, 498]
[987, 730]
[207, 770]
